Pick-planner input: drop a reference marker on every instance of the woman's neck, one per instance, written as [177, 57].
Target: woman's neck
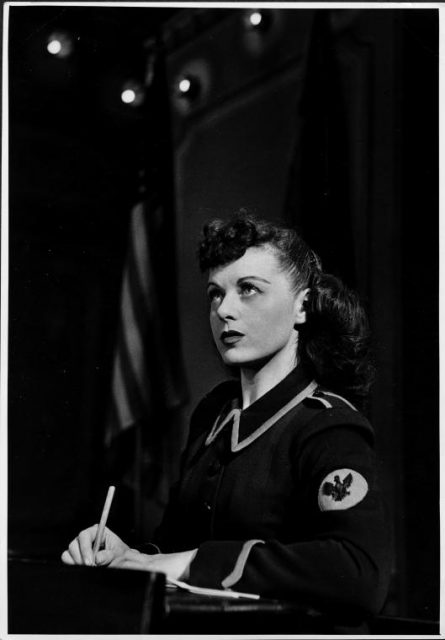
[255, 382]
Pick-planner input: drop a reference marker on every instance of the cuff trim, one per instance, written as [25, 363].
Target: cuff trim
[237, 572]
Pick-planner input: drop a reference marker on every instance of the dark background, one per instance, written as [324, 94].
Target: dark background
[327, 119]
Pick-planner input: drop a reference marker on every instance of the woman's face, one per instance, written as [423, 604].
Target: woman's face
[253, 310]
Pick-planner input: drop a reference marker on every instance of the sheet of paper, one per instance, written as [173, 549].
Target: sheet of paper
[202, 591]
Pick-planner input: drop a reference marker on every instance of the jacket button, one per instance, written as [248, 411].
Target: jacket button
[207, 506]
[213, 468]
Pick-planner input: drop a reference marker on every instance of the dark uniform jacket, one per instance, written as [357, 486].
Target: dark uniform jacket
[287, 507]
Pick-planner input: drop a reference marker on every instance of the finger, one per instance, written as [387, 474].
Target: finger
[86, 539]
[109, 537]
[117, 562]
[66, 557]
[104, 557]
[74, 551]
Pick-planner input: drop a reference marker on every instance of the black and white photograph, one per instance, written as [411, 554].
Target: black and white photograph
[220, 299]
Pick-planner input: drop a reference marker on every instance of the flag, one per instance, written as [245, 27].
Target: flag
[147, 381]
[142, 344]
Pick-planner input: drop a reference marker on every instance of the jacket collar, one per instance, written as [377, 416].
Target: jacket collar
[267, 405]
[249, 424]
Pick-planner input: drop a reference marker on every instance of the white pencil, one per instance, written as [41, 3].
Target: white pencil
[103, 521]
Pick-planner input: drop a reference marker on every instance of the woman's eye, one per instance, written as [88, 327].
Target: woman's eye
[214, 294]
[248, 289]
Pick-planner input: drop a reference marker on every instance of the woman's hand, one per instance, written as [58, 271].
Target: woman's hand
[174, 565]
[117, 554]
[80, 550]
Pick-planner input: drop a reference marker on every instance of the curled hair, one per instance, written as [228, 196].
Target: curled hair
[334, 342]
[224, 241]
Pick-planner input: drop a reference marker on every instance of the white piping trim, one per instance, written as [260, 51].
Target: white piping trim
[238, 569]
[235, 412]
[237, 446]
[329, 393]
[324, 402]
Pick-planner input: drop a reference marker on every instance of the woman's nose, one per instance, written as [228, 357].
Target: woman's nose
[227, 308]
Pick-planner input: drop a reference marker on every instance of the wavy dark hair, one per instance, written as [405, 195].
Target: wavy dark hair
[334, 343]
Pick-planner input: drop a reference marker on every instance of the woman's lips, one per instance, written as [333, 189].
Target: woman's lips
[231, 337]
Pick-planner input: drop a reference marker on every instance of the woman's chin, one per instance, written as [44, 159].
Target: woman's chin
[233, 359]
[238, 360]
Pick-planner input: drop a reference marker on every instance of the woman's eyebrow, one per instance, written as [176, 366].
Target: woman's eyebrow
[254, 278]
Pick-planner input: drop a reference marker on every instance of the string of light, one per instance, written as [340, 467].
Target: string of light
[61, 44]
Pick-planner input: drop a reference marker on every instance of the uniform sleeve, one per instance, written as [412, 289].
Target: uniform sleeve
[343, 561]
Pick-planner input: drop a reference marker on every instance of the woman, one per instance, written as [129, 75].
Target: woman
[277, 494]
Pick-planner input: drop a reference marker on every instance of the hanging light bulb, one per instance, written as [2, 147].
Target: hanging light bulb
[192, 85]
[54, 47]
[128, 96]
[255, 18]
[184, 86]
[132, 93]
[59, 44]
[188, 87]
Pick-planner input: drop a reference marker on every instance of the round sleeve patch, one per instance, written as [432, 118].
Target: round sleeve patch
[341, 489]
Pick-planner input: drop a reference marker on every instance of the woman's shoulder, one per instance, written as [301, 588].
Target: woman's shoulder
[330, 400]
[325, 410]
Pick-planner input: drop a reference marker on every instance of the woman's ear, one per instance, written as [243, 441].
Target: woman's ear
[300, 307]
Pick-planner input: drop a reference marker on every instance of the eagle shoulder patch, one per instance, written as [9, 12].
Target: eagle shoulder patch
[341, 489]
